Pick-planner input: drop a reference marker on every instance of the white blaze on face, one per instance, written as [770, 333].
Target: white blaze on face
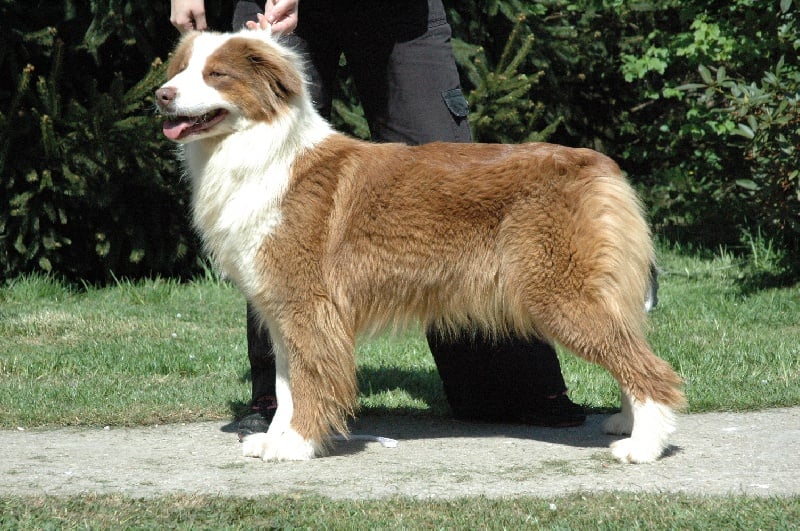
[197, 106]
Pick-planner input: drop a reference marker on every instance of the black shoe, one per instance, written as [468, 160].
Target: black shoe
[263, 411]
[551, 412]
[555, 412]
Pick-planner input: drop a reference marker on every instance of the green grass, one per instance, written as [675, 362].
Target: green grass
[579, 511]
[141, 353]
[159, 351]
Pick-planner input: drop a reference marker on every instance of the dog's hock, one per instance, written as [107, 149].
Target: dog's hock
[621, 423]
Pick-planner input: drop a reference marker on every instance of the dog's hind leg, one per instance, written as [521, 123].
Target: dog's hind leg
[315, 386]
[621, 423]
[650, 388]
[579, 266]
[607, 330]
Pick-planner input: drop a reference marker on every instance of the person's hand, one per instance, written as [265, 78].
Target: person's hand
[187, 15]
[282, 15]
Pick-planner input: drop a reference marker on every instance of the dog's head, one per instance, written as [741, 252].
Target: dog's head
[222, 83]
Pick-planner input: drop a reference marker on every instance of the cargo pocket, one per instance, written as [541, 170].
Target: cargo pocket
[456, 103]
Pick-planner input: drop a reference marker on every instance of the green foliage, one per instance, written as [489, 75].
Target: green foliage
[493, 47]
[574, 86]
[82, 162]
[760, 122]
[89, 186]
[696, 100]
[501, 106]
[714, 134]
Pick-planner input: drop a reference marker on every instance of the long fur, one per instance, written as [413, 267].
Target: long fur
[329, 238]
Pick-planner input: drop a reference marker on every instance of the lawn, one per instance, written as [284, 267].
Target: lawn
[577, 511]
[161, 351]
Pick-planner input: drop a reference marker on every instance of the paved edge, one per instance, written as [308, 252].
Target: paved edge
[753, 453]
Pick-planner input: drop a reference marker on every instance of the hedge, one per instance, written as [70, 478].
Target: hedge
[697, 100]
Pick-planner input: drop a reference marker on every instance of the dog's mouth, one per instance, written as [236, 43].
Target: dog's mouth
[180, 127]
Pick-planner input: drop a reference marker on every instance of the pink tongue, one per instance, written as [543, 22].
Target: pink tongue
[174, 128]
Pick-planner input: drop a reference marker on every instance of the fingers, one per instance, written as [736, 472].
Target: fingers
[194, 21]
[282, 14]
[262, 23]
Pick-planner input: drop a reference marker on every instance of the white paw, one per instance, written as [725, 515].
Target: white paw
[619, 424]
[253, 444]
[652, 425]
[285, 446]
[631, 451]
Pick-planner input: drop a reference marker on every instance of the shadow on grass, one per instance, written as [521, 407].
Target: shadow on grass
[421, 386]
[760, 280]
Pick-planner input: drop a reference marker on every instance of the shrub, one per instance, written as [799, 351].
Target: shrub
[90, 188]
[761, 122]
[714, 138]
[696, 100]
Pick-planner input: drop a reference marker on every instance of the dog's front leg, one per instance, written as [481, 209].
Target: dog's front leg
[281, 442]
[315, 388]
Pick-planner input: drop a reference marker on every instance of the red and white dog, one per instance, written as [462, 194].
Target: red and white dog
[329, 237]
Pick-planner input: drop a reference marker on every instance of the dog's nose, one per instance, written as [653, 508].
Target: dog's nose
[165, 96]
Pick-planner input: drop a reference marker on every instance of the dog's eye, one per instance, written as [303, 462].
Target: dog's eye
[217, 73]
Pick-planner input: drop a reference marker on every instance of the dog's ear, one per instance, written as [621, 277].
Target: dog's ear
[275, 70]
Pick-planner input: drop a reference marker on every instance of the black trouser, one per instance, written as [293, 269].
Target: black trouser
[401, 61]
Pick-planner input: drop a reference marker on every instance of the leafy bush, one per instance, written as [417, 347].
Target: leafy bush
[696, 100]
[714, 138]
[501, 108]
[761, 122]
[90, 188]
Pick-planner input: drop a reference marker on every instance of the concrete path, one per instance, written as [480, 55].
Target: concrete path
[754, 453]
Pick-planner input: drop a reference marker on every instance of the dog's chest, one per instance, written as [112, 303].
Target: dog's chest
[235, 213]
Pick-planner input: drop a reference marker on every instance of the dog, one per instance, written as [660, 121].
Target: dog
[330, 238]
